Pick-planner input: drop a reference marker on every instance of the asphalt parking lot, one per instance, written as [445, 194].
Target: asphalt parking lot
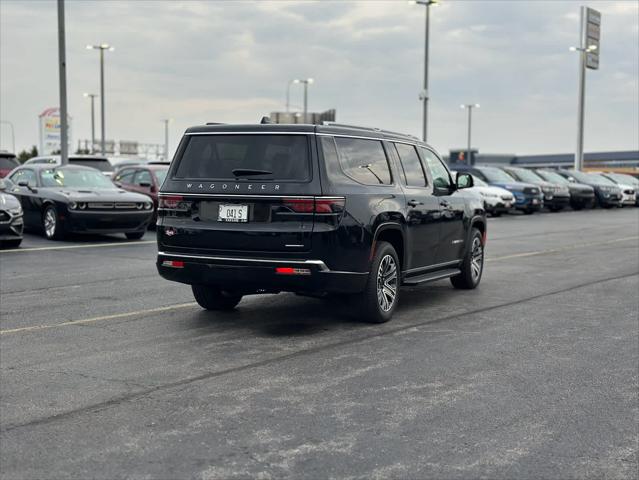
[108, 371]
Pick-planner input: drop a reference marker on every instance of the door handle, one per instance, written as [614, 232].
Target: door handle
[414, 203]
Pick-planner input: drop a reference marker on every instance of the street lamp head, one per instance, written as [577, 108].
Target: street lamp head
[573, 49]
[462, 106]
[477, 105]
[591, 48]
[309, 80]
[105, 46]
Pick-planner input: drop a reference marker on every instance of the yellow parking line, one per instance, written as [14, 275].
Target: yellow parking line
[98, 319]
[90, 245]
[192, 304]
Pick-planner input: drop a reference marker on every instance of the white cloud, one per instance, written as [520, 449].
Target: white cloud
[231, 60]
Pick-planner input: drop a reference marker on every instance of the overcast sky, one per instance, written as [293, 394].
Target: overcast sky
[230, 61]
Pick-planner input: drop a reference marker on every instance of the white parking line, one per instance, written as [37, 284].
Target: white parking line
[89, 245]
[98, 319]
[192, 304]
[562, 249]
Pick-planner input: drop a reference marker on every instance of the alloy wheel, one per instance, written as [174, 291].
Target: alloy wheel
[387, 283]
[50, 223]
[476, 259]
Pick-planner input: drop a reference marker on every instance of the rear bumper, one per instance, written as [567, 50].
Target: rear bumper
[107, 222]
[258, 275]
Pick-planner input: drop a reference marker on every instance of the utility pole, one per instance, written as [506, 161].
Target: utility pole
[64, 142]
[92, 97]
[102, 47]
[469, 107]
[588, 50]
[166, 138]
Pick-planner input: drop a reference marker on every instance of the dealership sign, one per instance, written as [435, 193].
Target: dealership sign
[50, 131]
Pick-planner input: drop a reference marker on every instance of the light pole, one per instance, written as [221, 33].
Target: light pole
[62, 71]
[424, 94]
[102, 47]
[579, 153]
[13, 135]
[470, 107]
[92, 97]
[166, 137]
[288, 92]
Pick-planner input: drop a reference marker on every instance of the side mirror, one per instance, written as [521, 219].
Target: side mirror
[464, 180]
[144, 184]
[23, 183]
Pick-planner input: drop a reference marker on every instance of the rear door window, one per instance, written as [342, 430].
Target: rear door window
[412, 169]
[364, 160]
[245, 157]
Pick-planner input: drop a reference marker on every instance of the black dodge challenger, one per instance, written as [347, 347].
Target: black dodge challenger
[63, 199]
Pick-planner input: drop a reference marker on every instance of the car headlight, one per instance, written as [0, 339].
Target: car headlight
[72, 205]
[15, 211]
[82, 205]
[148, 206]
[139, 205]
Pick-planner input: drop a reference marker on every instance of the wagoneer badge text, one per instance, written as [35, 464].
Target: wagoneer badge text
[230, 187]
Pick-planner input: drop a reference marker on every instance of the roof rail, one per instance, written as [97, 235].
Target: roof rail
[368, 129]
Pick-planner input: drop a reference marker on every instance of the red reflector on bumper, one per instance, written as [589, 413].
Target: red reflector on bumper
[173, 264]
[292, 271]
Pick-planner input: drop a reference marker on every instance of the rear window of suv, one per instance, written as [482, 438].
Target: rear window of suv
[101, 164]
[234, 157]
[8, 163]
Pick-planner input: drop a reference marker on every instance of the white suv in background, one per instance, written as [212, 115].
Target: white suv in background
[497, 200]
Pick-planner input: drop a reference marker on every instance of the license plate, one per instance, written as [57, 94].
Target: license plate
[508, 204]
[233, 213]
[535, 201]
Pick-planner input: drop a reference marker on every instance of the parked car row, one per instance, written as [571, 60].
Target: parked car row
[85, 196]
[534, 189]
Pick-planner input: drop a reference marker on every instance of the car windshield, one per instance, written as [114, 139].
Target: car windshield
[161, 175]
[526, 175]
[601, 179]
[101, 164]
[496, 175]
[74, 178]
[552, 177]
[622, 178]
[478, 182]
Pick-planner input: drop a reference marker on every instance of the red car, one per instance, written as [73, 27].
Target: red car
[146, 179]
[8, 162]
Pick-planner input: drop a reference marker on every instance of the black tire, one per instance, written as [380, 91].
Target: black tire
[555, 209]
[496, 214]
[472, 266]
[51, 224]
[374, 307]
[577, 206]
[135, 235]
[11, 243]
[212, 298]
[529, 211]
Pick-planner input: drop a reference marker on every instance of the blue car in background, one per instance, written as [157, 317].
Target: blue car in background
[528, 197]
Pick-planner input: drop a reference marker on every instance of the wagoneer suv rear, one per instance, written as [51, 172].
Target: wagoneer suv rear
[316, 210]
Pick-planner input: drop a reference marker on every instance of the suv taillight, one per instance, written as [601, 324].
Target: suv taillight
[173, 202]
[326, 205]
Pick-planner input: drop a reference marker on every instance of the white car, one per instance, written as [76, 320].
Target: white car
[628, 185]
[497, 200]
[94, 161]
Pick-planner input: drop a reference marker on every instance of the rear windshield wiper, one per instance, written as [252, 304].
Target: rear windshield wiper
[243, 172]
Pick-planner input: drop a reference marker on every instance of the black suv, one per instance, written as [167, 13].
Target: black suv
[316, 210]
